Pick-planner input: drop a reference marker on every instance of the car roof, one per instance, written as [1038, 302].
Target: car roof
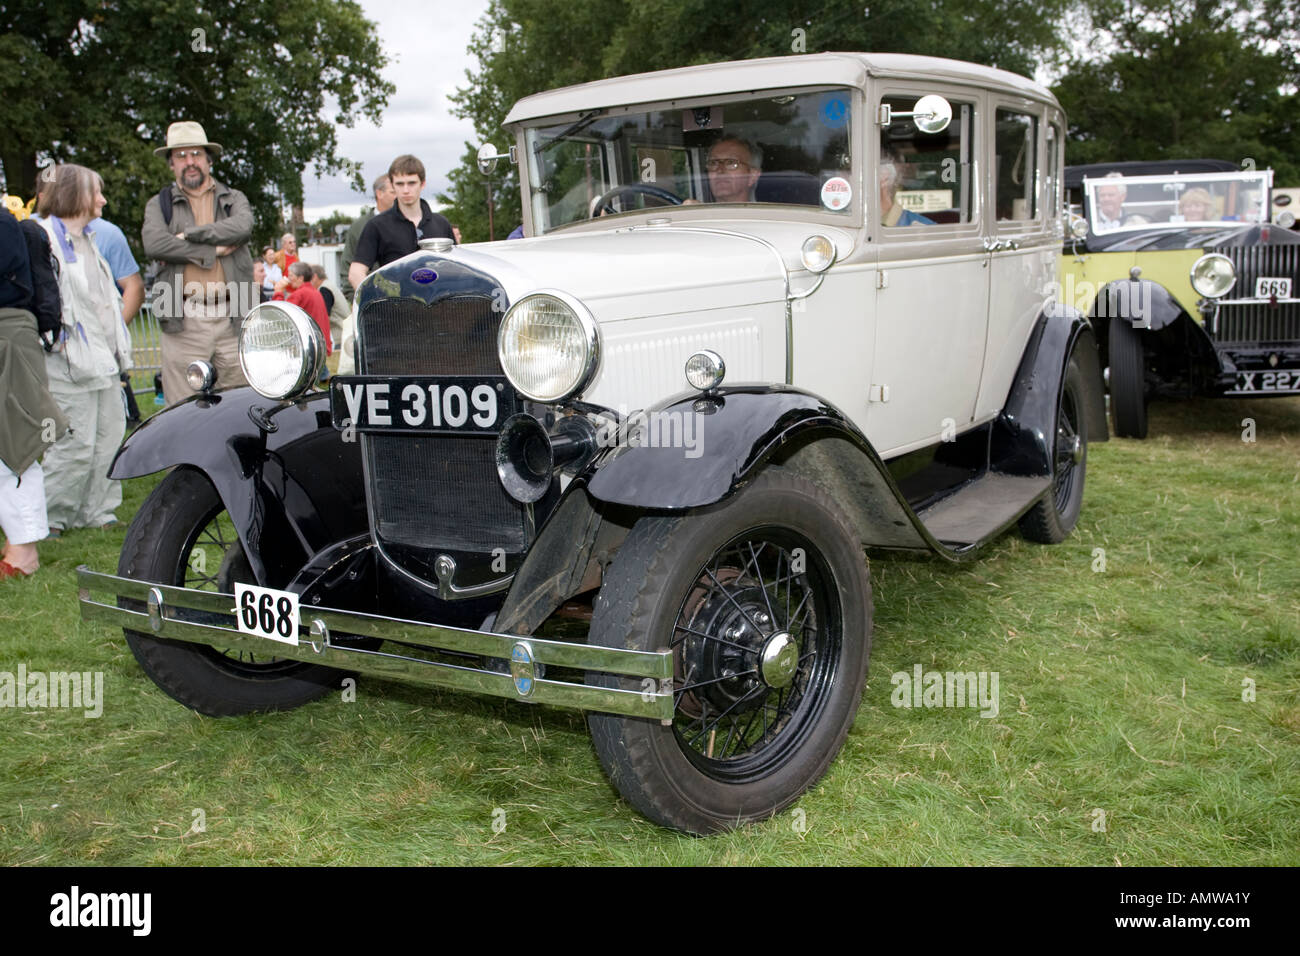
[741, 76]
[1074, 175]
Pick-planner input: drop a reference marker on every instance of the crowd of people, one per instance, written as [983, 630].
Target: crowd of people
[69, 287]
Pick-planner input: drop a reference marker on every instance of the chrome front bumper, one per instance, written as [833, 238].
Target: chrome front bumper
[171, 612]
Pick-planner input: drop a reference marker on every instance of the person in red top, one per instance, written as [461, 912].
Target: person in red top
[288, 253]
[298, 290]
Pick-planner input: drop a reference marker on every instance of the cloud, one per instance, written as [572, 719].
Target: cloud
[427, 46]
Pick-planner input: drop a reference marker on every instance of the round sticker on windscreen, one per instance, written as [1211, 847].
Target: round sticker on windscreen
[836, 193]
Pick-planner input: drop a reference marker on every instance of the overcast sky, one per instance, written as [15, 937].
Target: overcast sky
[426, 44]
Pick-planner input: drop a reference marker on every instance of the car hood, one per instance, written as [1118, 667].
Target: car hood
[640, 270]
[1206, 237]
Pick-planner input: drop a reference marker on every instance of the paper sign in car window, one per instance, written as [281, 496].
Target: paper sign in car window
[925, 200]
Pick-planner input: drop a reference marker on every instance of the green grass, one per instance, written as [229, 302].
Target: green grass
[1121, 690]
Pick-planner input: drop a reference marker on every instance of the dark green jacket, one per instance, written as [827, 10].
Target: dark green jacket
[31, 420]
[350, 251]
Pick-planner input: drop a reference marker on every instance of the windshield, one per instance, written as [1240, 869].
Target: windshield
[1122, 203]
[771, 147]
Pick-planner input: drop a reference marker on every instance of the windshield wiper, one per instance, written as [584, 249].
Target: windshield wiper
[582, 122]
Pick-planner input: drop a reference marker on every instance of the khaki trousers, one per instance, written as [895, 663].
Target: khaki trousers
[78, 491]
[207, 335]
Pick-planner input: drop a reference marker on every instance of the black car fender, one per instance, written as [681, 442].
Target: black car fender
[1021, 442]
[291, 489]
[734, 433]
[730, 435]
[1142, 303]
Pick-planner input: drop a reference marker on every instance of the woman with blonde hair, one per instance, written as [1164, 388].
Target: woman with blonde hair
[1196, 205]
[92, 351]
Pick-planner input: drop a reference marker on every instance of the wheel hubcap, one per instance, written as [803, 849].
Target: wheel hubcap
[779, 660]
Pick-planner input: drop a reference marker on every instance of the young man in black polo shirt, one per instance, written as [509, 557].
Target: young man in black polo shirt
[397, 232]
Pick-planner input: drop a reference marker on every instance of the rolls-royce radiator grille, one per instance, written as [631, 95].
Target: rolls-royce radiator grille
[430, 493]
[1261, 324]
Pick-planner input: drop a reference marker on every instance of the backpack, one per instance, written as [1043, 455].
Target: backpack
[165, 204]
[46, 304]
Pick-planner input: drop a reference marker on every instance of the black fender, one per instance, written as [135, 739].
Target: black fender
[1023, 433]
[745, 429]
[739, 430]
[291, 491]
[1142, 303]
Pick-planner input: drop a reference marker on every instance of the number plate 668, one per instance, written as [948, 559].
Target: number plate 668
[268, 613]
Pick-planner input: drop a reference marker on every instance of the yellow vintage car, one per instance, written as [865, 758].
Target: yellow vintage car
[1191, 288]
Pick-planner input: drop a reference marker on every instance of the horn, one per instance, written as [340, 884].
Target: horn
[527, 457]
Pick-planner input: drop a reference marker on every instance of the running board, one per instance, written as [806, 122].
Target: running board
[981, 508]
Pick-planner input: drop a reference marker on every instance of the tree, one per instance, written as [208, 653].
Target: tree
[97, 83]
[1188, 79]
[526, 46]
[324, 228]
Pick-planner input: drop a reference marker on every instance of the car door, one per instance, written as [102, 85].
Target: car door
[933, 284]
[1025, 235]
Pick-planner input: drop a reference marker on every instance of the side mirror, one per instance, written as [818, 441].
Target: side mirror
[932, 114]
[488, 156]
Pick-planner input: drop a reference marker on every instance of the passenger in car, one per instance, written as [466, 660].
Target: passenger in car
[1196, 205]
[891, 212]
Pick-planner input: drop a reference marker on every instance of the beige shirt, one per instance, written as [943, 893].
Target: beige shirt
[213, 280]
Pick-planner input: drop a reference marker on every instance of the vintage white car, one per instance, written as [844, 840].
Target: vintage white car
[770, 315]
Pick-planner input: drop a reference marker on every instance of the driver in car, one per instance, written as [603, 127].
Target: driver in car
[734, 166]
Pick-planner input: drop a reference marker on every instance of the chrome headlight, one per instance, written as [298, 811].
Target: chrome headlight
[1213, 275]
[549, 346]
[281, 350]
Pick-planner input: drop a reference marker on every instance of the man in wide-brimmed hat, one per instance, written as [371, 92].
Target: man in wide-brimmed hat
[198, 229]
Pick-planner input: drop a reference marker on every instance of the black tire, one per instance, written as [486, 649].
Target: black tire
[1054, 516]
[1127, 380]
[182, 516]
[719, 572]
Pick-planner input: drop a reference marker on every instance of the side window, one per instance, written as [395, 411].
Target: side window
[926, 179]
[1016, 165]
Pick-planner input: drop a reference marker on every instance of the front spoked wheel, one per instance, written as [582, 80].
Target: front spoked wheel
[759, 638]
[766, 604]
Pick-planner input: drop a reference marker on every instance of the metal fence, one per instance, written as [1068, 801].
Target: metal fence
[146, 350]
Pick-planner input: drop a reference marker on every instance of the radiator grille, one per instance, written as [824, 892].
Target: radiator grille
[1261, 324]
[436, 493]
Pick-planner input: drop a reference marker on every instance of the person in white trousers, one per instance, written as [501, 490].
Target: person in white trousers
[84, 368]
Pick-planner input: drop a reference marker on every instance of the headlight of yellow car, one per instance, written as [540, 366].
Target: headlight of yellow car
[1213, 275]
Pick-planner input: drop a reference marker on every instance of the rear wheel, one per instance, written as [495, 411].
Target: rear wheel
[1127, 380]
[766, 604]
[183, 536]
[1057, 512]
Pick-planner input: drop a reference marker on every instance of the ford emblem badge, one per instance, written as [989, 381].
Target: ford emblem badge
[522, 669]
[424, 276]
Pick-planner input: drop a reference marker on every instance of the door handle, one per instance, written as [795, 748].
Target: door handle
[993, 245]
